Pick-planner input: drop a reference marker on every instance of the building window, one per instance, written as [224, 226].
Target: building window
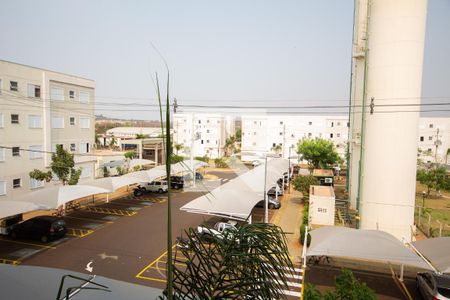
[73, 147]
[34, 184]
[338, 124]
[2, 154]
[292, 136]
[13, 86]
[429, 149]
[207, 121]
[281, 133]
[34, 91]
[15, 151]
[430, 138]
[255, 122]
[36, 152]
[34, 121]
[207, 141]
[57, 94]
[72, 120]
[84, 97]
[17, 183]
[71, 94]
[281, 122]
[201, 142]
[57, 122]
[431, 126]
[254, 133]
[14, 119]
[331, 135]
[207, 130]
[421, 139]
[338, 135]
[2, 187]
[199, 121]
[332, 124]
[1, 86]
[321, 210]
[274, 144]
[85, 123]
[309, 123]
[348, 124]
[309, 134]
[84, 147]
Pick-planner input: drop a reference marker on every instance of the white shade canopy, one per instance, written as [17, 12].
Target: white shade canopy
[140, 162]
[436, 251]
[113, 183]
[147, 175]
[58, 195]
[237, 198]
[12, 208]
[369, 245]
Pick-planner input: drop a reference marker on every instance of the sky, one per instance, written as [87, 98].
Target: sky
[247, 53]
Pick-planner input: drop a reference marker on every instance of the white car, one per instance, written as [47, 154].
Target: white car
[154, 186]
[256, 163]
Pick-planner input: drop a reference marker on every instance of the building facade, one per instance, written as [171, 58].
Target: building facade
[40, 109]
[205, 133]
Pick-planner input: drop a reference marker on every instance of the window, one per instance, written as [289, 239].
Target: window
[17, 183]
[84, 97]
[321, 210]
[85, 123]
[348, 124]
[2, 124]
[57, 122]
[429, 149]
[431, 126]
[57, 94]
[207, 141]
[338, 135]
[292, 136]
[34, 184]
[207, 121]
[338, 123]
[13, 86]
[281, 122]
[2, 154]
[309, 123]
[421, 139]
[199, 121]
[201, 142]
[34, 121]
[430, 138]
[84, 147]
[73, 147]
[332, 124]
[14, 119]
[331, 135]
[207, 130]
[15, 151]
[309, 134]
[34, 91]
[254, 132]
[72, 120]
[2, 187]
[1, 87]
[281, 133]
[274, 144]
[72, 94]
[36, 152]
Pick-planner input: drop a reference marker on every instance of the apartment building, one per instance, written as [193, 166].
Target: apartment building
[206, 133]
[40, 109]
[280, 133]
[262, 135]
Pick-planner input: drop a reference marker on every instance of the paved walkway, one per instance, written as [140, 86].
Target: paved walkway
[289, 218]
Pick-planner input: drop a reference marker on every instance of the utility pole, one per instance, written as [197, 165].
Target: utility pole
[437, 143]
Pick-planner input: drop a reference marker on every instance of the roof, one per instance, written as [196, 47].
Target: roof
[436, 251]
[321, 191]
[134, 130]
[323, 173]
[368, 245]
[12, 208]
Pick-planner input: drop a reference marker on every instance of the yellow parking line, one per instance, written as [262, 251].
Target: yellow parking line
[139, 275]
[9, 261]
[79, 232]
[87, 219]
[111, 211]
[152, 279]
[26, 243]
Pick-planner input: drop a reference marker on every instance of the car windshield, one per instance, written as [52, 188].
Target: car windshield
[444, 292]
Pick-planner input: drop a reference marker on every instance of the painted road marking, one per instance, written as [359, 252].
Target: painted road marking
[111, 211]
[87, 219]
[26, 243]
[79, 232]
[9, 261]
[150, 265]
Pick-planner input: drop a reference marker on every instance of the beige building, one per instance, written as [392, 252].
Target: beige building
[40, 109]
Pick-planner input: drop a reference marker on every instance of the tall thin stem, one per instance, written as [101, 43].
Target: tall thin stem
[169, 202]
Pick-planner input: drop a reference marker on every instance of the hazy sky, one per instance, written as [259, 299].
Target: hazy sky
[219, 52]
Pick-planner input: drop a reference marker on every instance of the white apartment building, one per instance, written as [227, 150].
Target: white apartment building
[206, 133]
[40, 109]
[261, 134]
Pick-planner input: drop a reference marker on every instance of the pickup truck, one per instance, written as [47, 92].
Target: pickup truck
[220, 230]
[154, 186]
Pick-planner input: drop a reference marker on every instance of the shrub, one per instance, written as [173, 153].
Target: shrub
[220, 163]
[302, 184]
[176, 158]
[204, 158]
[302, 235]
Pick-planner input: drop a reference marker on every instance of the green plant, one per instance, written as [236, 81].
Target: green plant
[220, 163]
[302, 235]
[204, 158]
[141, 136]
[176, 159]
[120, 170]
[302, 184]
[311, 292]
[178, 147]
[106, 172]
[318, 152]
[130, 154]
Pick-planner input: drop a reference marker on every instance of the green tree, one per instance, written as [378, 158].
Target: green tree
[277, 148]
[62, 166]
[302, 184]
[141, 136]
[130, 154]
[433, 178]
[249, 263]
[220, 163]
[446, 155]
[318, 152]
[106, 172]
[238, 135]
[112, 143]
[178, 147]
[230, 145]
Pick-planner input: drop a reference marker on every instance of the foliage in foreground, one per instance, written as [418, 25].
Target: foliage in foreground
[250, 263]
[347, 287]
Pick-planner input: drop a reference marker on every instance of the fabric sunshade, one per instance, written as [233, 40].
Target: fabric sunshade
[113, 183]
[369, 245]
[436, 251]
[12, 208]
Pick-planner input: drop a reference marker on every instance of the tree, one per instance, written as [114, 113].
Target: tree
[249, 263]
[433, 178]
[302, 184]
[141, 136]
[112, 143]
[446, 155]
[62, 166]
[238, 135]
[220, 163]
[130, 154]
[178, 147]
[318, 152]
[230, 146]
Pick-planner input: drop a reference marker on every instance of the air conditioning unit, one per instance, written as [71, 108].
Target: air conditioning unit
[328, 180]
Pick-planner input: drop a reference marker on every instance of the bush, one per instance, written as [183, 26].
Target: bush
[302, 235]
[311, 292]
[302, 184]
[204, 158]
[220, 163]
[176, 158]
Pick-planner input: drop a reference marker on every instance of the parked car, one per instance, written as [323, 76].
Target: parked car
[280, 183]
[274, 190]
[221, 230]
[273, 203]
[433, 286]
[176, 182]
[154, 186]
[43, 228]
[256, 163]
[198, 176]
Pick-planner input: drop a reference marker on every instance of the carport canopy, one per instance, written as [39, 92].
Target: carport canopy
[436, 251]
[12, 208]
[113, 183]
[237, 198]
[368, 245]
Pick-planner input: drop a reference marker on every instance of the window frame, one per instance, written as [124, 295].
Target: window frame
[13, 120]
[11, 86]
[15, 186]
[17, 153]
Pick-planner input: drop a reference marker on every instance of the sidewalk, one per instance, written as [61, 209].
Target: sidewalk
[289, 218]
